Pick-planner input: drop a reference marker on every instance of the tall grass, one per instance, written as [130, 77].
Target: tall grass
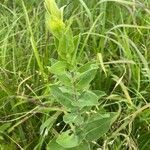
[113, 33]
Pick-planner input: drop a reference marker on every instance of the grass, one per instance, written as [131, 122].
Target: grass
[113, 34]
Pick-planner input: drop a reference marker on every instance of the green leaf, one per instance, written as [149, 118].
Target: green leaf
[67, 89]
[86, 77]
[83, 146]
[76, 40]
[88, 98]
[46, 126]
[53, 145]
[99, 93]
[144, 141]
[65, 79]
[61, 97]
[4, 127]
[86, 67]
[58, 68]
[97, 126]
[73, 118]
[68, 140]
[66, 45]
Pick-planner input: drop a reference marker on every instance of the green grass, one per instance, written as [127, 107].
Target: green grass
[112, 34]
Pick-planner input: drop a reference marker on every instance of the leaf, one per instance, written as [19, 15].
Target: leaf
[97, 126]
[67, 89]
[65, 79]
[144, 141]
[83, 146]
[145, 115]
[1, 138]
[68, 139]
[88, 98]
[73, 118]
[46, 126]
[86, 77]
[85, 67]
[4, 127]
[99, 93]
[53, 145]
[61, 97]
[100, 58]
[66, 45]
[76, 40]
[58, 68]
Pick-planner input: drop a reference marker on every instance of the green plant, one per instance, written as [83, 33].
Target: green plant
[72, 88]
